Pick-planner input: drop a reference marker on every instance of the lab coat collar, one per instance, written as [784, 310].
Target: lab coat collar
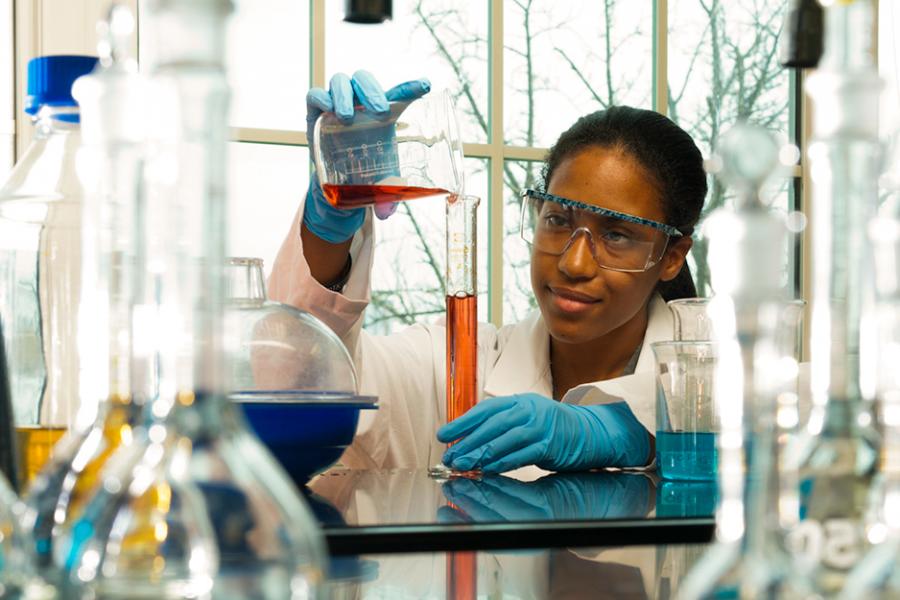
[524, 363]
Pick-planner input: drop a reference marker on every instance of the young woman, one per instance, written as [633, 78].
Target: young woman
[570, 387]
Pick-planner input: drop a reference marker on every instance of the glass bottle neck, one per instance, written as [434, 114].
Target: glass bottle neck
[51, 120]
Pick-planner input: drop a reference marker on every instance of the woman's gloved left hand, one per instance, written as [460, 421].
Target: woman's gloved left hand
[504, 433]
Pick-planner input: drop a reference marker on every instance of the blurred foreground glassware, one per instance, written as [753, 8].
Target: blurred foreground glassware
[749, 312]
[195, 506]
[839, 460]
[8, 466]
[413, 152]
[109, 161]
[40, 264]
[462, 314]
[877, 575]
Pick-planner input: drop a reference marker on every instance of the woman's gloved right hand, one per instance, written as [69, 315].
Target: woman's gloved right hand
[320, 217]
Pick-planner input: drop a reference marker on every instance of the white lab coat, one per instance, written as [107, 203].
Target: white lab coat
[406, 370]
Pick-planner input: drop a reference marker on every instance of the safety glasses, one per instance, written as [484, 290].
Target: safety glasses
[618, 241]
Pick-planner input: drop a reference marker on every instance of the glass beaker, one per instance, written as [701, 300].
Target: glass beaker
[413, 152]
[691, 319]
[41, 257]
[686, 423]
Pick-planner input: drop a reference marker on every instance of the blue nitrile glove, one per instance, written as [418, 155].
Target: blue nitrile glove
[504, 433]
[560, 496]
[329, 223]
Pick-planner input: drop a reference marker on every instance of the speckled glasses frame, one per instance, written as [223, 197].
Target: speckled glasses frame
[668, 230]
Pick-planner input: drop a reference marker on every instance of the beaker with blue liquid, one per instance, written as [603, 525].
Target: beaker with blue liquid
[686, 423]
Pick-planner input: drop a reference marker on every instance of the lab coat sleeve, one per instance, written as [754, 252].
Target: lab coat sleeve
[291, 282]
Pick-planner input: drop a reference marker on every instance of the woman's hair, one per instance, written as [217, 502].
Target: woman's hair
[664, 150]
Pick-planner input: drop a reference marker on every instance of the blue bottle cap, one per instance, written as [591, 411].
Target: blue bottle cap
[50, 80]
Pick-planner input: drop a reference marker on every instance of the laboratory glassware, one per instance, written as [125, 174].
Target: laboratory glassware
[40, 264]
[462, 312]
[8, 466]
[755, 375]
[277, 349]
[839, 460]
[690, 319]
[109, 161]
[195, 506]
[291, 375]
[413, 152]
[686, 420]
[876, 574]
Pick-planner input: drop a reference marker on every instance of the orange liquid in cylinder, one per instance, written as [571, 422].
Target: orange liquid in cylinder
[462, 344]
[354, 196]
[462, 576]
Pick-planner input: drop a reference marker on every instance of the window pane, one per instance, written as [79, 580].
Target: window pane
[723, 67]
[443, 40]
[566, 59]
[266, 185]
[889, 66]
[268, 63]
[518, 297]
[7, 112]
[410, 259]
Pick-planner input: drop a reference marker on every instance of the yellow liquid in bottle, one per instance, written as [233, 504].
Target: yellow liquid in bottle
[34, 444]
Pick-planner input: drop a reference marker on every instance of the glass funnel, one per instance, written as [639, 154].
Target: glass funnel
[277, 348]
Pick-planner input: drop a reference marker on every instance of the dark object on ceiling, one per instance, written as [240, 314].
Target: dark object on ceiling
[802, 36]
[368, 11]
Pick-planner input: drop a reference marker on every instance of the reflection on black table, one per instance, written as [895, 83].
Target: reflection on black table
[559, 496]
[410, 496]
[622, 573]
[359, 498]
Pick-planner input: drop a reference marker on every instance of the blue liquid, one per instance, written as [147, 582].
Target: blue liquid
[686, 498]
[688, 455]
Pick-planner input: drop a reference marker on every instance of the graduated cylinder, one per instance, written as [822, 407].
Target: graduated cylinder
[462, 305]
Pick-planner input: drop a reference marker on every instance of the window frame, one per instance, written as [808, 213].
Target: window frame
[37, 32]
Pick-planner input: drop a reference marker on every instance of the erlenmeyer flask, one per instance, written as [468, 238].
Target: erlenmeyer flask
[196, 506]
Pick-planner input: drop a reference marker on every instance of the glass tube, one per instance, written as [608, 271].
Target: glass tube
[462, 311]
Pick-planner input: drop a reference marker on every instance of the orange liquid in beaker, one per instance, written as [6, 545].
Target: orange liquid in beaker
[34, 444]
[462, 341]
[354, 196]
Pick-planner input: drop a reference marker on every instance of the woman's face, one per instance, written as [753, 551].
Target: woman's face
[581, 301]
